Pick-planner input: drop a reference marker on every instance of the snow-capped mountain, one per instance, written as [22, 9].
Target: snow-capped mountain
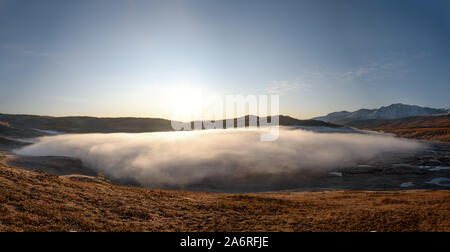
[390, 112]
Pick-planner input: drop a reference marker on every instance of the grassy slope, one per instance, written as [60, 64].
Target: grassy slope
[426, 128]
[33, 201]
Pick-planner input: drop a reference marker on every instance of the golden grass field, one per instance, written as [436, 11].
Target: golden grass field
[36, 201]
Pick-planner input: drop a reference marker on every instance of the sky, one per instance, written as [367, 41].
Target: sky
[115, 58]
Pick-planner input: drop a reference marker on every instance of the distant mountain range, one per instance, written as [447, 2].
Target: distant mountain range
[393, 111]
[25, 126]
[33, 126]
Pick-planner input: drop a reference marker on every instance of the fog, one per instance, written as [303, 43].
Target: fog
[230, 160]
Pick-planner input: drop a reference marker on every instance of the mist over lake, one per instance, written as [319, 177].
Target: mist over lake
[230, 160]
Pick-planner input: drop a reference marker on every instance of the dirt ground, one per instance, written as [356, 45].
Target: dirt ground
[36, 201]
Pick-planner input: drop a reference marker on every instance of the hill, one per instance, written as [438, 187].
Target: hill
[86, 124]
[283, 121]
[393, 111]
[35, 201]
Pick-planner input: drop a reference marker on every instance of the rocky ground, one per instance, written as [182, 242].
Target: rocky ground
[429, 169]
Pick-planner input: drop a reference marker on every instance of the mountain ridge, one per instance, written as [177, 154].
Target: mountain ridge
[394, 111]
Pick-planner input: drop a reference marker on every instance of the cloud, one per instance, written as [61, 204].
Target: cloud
[285, 87]
[226, 160]
[394, 64]
[28, 51]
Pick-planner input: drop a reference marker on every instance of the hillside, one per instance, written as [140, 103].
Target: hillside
[7, 144]
[35, 201]
[86, 124]
[426, 128]
[394, 111]
[6, 130]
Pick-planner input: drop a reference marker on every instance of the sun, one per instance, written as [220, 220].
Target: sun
[186, 103]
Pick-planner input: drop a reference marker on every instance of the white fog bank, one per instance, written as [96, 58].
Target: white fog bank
[225, 159]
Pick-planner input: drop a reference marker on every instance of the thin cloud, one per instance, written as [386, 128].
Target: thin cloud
[286, 87]
[394, 64]
[27, 50]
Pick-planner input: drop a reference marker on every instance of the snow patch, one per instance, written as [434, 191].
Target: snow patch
[407, 184]
[336, 174]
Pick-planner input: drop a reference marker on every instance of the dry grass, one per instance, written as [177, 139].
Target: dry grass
[35, 201]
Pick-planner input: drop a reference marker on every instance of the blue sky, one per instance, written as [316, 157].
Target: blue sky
[127, 57]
